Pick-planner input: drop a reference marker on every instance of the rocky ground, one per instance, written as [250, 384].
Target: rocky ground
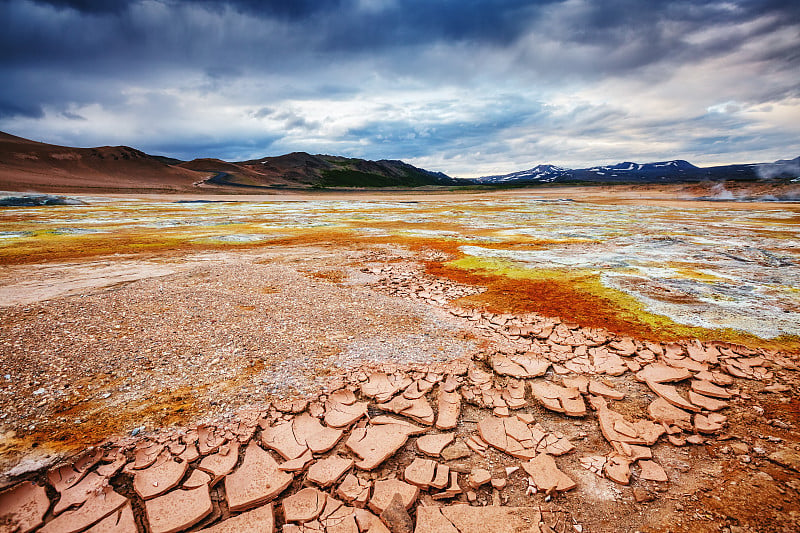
[313, 389]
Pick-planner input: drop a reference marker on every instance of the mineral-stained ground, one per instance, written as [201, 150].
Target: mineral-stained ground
[526, 361]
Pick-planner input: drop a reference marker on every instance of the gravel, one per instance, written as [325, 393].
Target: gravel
[231, 331]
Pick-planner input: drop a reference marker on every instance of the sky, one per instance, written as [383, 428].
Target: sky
[466, 87]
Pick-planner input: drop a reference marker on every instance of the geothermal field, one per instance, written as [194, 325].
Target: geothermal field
[570, 360]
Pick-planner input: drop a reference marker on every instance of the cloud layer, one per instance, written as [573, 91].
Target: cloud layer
[468, 87]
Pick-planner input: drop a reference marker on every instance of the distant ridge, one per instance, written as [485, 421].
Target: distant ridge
[31, 166]
[300, 169]
[28, 166]
[675, 171]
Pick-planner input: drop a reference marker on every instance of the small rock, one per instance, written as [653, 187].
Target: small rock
[478, 477]
[618, 469]
[786, 457]
[420, 472]
[384, 491]
[396, 517]
[354, 490]
[159, 478]
[499, 483]
[739, 448]
[326, 471]
[457, 450]
[434, 444]
[198, 478]
[642, 495]
[652, 471]
[442, 476]
[305, 505]
[22, 508]
[178, 510]
[378, 441]
[780, 424]
[256, 481]
[546, 475]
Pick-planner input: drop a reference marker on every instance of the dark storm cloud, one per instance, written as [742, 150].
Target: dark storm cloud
[89, 33]
[13, 109]
[295, 9]
[110, 37]
[623, 36]
[300, 71]
[229, 147]
[417, 19]
[89, 6]
[72, 116]
[292, 120]
[417, 22]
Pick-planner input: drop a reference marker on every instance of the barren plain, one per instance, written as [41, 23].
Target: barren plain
[582, 360]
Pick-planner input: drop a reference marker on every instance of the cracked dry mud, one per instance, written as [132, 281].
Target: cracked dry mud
[312, 388]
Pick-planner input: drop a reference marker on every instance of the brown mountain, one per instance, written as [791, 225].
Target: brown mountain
[27, 165]
[303, 170]
[248, 174]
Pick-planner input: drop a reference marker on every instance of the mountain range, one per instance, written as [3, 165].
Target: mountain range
[675, 171]
[28, 166]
